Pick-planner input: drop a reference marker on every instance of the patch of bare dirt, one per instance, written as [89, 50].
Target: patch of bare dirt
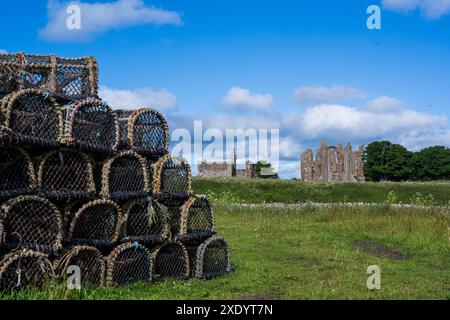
[379, 250]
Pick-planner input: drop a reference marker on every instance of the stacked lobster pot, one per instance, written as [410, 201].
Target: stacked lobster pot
[84, 186]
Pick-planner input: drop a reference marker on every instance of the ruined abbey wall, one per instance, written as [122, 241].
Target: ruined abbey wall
[333, 164]
[215, 169]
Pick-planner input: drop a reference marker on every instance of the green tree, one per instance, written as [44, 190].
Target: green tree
[432, 163]
[264, 170]
[387, 161]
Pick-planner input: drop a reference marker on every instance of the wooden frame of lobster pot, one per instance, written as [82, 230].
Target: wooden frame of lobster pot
[22, 269]
[66, 175]
[91, 125]
[97, 223]
[197, 219]
[129, 263]
[145, 222]
[17, 176]
[210, 259]
[172, 181]
[125, 177]
[71, 78]
[144, 131]
[33, 117]
[31, 222]
[89, 260]
[171, 260]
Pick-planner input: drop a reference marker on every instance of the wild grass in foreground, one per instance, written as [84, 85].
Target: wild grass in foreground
[240, 190]
[311, 254]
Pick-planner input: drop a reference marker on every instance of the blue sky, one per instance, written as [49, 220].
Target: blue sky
[310, 68]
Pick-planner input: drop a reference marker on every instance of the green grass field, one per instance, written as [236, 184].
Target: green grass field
[289, 191]
[312, 254]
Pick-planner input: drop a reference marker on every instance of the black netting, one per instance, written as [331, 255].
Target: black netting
[171, 261]
[8, 76]
[96, 223]
[34, 118]
[129, 263]
[31, 222]
[145, 222]
[22, 269]
[172, 180]
[89, 260]
[76, 77]
[92, 126]
[124, 117]
[66, 175]
[197, 219]
[125, 177]
[212, 258]
[16, 173]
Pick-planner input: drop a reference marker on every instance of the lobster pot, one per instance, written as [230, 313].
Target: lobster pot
[71, 78]
[96, 223]
[197, 219]
[210, 259]
[92, 126]
[125, 177]
[145, 131]
[127, 264]
[123, 116]
[16, 173]
[66, 175]
[76, 78]
[89, 260]
[31, 222]
[25, 268]
[33, 117]
[172, 180]
[171, 260]
[145, 222]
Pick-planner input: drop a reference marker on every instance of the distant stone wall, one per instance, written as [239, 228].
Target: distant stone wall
[215, 169]
[333, 164]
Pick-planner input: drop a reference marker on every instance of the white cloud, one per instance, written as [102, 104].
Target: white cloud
[429, 8]
[133, 99]
[3, 51]
[339, 120]
[238, 97]
[326, 94]
[384, 104]
[97, 18]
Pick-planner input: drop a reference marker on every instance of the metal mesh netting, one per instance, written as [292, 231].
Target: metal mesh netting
[96, 223]
[172, 180]
[144, 131]
[197, 219]
[171, 260]
[25, 268]
[145, 222]
[66, 175]
[125, 177]
[129, 263]
[72, 78]
[210, 259]
[16, 173]
[91, 125]
[30, 222]
[89, 260]
[34, 117]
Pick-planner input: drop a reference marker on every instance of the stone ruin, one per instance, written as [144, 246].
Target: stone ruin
[333, 164]
[226, 169]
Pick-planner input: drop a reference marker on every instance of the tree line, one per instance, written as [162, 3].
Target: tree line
[385, 161]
